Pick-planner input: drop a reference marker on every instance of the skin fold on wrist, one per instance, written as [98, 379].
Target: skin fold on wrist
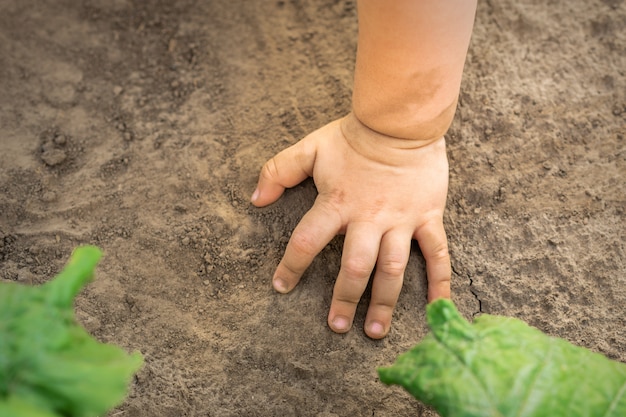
[383, 148]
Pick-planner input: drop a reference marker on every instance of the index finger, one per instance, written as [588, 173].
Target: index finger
[316, 228]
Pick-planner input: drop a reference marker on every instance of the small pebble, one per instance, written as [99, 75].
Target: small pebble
[60, 140]
[49, 197]
[24, 275]
[52, 157]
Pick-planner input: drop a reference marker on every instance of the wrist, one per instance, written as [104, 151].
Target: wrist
[384, 148]
[419, 123]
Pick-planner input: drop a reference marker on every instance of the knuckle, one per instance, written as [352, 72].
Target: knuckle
[270, 170]
[357, 268]
[445, 280]
[303, 243]
[440, 252]
[392, 265]
[348, 300]
[383, 307]
[330, 204]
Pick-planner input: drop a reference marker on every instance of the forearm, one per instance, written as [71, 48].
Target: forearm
[409, 65]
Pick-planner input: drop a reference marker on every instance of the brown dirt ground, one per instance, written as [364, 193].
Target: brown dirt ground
[140, 126]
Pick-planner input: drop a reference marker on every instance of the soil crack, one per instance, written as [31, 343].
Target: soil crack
[472, 290]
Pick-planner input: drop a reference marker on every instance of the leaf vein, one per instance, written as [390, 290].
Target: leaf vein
[615, 401]
[536, 376]
[494, 410]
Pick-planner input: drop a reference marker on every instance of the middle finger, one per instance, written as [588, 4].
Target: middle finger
[395, 248]
[360, 251]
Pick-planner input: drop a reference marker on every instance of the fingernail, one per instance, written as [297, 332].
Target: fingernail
[255, 195]
[376, 329]
[340, 324]
[280, 285]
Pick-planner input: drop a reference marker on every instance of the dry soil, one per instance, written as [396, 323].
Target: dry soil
[140, 126]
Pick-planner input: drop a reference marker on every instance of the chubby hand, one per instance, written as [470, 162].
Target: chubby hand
[381, 192]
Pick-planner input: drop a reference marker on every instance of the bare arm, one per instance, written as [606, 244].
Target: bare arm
[409, 65]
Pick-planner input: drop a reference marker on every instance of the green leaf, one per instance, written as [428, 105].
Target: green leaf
[501, 367]
[49, 365]
[15, 407]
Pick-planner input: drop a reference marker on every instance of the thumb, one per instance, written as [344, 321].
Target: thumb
[286, 169]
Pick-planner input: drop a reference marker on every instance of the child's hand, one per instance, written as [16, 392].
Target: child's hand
[380, 192]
